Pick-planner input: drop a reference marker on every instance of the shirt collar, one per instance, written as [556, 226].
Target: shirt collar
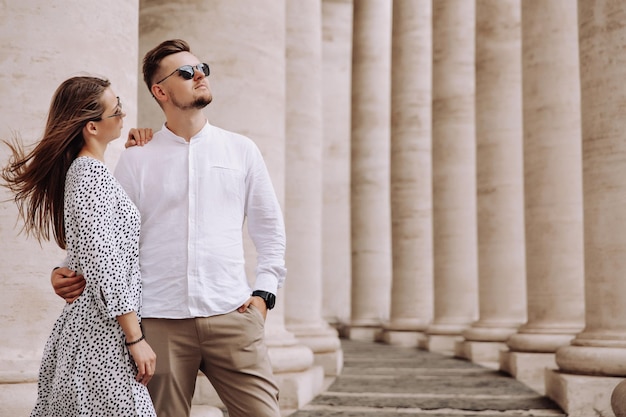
[202, 133]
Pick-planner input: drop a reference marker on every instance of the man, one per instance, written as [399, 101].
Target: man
[194, 185]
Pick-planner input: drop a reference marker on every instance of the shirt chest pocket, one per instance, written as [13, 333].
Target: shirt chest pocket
[223, 186]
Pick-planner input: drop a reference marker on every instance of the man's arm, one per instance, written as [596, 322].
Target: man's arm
[265, 226]
[67, 284]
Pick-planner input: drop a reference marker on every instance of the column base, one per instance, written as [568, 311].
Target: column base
[367, 334]
[618, 399]
[581, 395]
[324, 342]
[298, 379]
[525, 341]
[490, 332]
[331, 362]
[440, 343]
[299, 388]
[402, 338]
[483, 353]
[17, 399]
[592, 360]
[529, 368]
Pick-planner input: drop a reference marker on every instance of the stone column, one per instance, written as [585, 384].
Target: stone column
[454, 174]
[336, 78]
[553, 190]
[595, 361]
[244, 43]
[499, 162]
[371, 217]
[303, 198]
[411, 174]
[41, 45]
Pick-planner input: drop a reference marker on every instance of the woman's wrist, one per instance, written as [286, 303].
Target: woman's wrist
[134, 342]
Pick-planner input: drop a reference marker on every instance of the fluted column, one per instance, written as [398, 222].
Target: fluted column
[303, 198]
[553, 190]
[336, 78]
[245, 47]
[41, 45]
[371, 217]
[411, 174]
[600, 349]
[499, 162]
[454, 174]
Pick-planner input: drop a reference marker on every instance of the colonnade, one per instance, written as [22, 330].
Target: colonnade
[451, 173]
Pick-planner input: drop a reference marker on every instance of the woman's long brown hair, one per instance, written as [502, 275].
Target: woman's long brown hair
[37, 178]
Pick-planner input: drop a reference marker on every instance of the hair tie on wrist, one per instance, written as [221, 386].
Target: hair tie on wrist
[135, 341]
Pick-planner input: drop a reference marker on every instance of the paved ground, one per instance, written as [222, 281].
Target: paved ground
[387, 381]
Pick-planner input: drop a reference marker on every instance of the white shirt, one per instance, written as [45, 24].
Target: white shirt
[194, 197]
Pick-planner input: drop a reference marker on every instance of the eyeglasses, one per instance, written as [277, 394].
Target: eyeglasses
[119, 112]
[188, 71]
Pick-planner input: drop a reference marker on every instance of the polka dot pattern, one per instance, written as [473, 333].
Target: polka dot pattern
[86, 369]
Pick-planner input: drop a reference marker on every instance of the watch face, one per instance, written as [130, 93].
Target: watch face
[270, 301]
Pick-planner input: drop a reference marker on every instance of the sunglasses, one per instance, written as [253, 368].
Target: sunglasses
[188, 71]
[118, 110]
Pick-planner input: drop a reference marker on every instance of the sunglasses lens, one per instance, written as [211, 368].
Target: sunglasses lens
[186, 72]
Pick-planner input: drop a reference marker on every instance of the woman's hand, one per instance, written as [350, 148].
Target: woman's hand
[145, 359]
[138, 137]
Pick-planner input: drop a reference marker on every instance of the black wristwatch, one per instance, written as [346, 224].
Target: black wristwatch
[268, 297]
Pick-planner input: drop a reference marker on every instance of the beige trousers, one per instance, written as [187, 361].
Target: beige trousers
[229, 349]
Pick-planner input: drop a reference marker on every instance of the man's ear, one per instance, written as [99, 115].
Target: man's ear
[158, 92]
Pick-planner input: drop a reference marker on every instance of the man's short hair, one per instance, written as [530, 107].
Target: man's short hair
[153, 58]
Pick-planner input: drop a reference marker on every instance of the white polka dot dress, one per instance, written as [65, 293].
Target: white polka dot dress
[86, 369]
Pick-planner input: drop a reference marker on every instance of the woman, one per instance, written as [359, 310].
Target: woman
[96, 361]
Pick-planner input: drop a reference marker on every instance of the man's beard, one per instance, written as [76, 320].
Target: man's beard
[198, 103]
[201, 102]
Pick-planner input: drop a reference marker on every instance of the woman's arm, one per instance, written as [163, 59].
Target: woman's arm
[140, 350]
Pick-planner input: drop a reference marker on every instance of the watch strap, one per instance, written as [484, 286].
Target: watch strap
[268, 297]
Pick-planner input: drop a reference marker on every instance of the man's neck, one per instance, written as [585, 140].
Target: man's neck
[186, 124]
